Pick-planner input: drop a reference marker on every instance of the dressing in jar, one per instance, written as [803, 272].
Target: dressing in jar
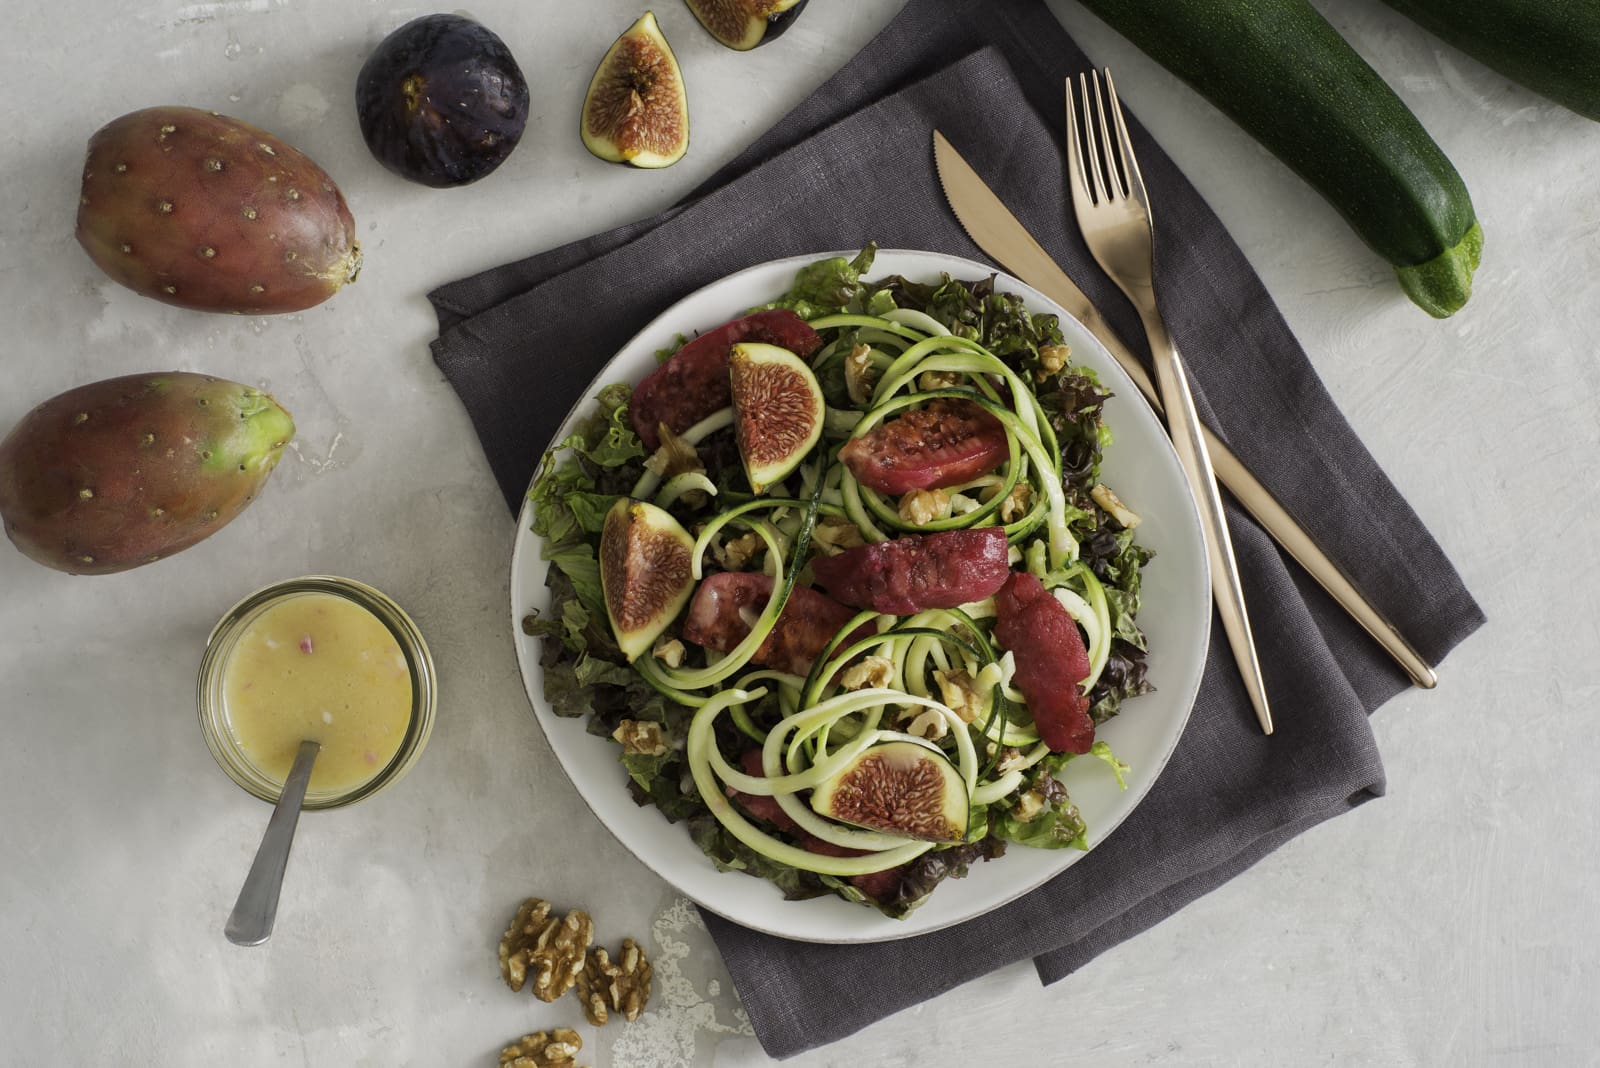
[325, 659]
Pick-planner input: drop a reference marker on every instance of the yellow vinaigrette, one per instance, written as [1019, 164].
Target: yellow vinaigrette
[322, 667]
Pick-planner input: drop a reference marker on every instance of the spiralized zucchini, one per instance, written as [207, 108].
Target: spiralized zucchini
[934, 679]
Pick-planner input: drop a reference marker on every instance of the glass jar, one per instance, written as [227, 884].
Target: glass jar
[225, 637]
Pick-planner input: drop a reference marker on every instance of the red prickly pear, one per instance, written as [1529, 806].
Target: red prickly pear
[124, 472]
[207, 212]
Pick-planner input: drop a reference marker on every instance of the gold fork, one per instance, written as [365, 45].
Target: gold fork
[1113, 210]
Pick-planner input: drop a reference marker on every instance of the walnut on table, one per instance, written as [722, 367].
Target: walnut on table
[548, 950]
[607, 986]
[543, 1049]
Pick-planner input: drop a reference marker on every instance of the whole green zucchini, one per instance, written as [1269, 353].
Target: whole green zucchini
[1278, 69]
[1550, 46]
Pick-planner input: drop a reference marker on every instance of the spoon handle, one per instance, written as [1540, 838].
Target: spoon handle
[250, 923]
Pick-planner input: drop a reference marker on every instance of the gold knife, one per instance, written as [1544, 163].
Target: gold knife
[1002, 236]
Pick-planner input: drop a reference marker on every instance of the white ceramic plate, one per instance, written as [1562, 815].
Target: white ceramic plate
[1175, 614]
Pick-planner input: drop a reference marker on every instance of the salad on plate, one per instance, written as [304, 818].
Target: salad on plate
[842, 582]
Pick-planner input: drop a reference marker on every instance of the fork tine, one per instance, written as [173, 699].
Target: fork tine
[1130, 160]
[1091, 146]
[1114, 181]
[1075, 171]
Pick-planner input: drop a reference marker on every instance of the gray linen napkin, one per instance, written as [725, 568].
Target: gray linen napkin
[853, 163]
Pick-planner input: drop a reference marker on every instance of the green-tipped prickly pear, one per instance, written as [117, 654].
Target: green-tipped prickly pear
[207, 212]
[124, 472]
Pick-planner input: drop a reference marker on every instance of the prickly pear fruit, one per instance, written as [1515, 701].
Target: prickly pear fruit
[124, 472]
[207, 212]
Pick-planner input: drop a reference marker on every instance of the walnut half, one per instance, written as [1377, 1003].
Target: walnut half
[641, 736]
[548, 949]
[606, 986]
[543, 1049]
[920, 507]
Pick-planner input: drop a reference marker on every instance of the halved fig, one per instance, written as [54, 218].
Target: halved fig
[946, 443]
[777, 409]
[744, 24]
[919, 571]
[694, 382]
[644, 572]
[636, 110]
[900, 787]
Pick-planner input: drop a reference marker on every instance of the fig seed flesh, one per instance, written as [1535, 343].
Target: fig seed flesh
[644, 572]
[778, 410]
[900, 787]
[636, 110]
[746, 24]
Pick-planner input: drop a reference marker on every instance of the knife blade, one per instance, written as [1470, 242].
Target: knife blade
[1003, 237]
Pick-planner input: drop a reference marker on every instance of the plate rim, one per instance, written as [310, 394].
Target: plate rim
[527, 662]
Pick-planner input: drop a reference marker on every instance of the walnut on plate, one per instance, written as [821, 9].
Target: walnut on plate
[919, 507]
[622, 986]
[543, 1049]
[548, 950]
[641, 736]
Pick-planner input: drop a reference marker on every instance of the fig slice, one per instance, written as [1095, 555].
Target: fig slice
[777, 410]
[645, 572]
[745, 24]
[900, 787]
[636, 110]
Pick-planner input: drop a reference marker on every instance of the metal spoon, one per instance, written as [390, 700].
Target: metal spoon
[250, 923]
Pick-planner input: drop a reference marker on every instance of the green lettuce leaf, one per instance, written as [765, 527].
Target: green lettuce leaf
[827, 286]
[1102, 751]
[1057, 824]
[579, 564]
[678, 342]
[730, 854]
[645, 769]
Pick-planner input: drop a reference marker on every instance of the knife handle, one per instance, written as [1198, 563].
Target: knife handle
[1276, 521]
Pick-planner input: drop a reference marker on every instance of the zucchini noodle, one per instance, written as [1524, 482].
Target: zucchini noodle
[702, 743]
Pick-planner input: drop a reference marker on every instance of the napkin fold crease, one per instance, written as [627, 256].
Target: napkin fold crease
[521, 342]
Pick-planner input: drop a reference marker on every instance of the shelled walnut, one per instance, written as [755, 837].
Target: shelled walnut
[920, 507]
[1052, 358]
[961, 693]
[860, 376]
[543, 1049]
[641, 736]
[549, 950]
[622, 986]
[871, 671]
